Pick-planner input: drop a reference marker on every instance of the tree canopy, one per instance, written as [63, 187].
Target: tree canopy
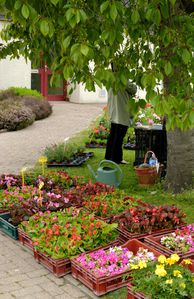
[150, 42]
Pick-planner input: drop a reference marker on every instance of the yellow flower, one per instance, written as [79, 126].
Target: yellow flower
[175, 257]
[170, 261]
[177, 273]
[187, 262]
[169, 281]
[162, 259]
[142, 264]
[193, 280]
[160, 272]
[182, 285]
[133, 266]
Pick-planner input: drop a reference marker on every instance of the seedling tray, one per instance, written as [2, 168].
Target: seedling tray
[76, 162]
[8, 228]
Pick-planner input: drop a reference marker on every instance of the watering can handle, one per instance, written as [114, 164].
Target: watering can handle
[116, 166]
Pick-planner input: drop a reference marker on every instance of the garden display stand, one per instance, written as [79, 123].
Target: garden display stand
[105, 284]
[8, 228]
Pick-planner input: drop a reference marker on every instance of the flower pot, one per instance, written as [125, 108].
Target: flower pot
[103, 284]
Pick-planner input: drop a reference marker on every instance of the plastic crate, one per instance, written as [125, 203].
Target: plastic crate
[125, 235]
[133, 295]
[154, 242]
[25, 239]
[61, 267]
[8, 228]
[105, 284]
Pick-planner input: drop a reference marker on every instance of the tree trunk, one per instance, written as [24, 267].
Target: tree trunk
[180, 160]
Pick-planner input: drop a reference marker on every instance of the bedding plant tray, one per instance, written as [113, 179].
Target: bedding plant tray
[75, 161]
[102, 284]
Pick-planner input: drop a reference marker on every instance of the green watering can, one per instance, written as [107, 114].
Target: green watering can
[108, 172]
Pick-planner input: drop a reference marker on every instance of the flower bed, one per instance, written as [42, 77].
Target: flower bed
[103, 270]
[137, 222]
[181, 241]
[166, 278]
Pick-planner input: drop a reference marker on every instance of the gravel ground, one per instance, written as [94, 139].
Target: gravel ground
[22, 148]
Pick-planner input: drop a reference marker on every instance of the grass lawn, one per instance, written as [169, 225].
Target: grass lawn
[155, 194]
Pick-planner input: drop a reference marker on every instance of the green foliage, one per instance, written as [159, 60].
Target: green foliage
[23, 91]
[62, 152]
[149, 42]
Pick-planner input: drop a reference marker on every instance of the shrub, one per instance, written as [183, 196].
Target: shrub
[23, 91]
[17, 118]
[40, 107]
[5, 94]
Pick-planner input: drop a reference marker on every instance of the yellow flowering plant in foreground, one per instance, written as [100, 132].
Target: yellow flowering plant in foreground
[165, 278]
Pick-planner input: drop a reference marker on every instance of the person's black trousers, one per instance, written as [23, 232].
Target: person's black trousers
[114, 151]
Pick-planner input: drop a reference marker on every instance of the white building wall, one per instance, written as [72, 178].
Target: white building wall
[81, 95]
[14, 72]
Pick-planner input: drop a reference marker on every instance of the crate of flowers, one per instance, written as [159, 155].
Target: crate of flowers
[57, 236]
[164, 278]
[108, 204]
[181, 241]
[145, 219]
[103, 270]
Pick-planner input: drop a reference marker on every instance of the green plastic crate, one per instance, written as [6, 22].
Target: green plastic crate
[8, 228]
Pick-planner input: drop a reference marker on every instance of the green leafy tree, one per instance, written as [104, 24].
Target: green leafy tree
[149, 42]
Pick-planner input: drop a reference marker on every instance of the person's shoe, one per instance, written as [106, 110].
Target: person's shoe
[124, 162]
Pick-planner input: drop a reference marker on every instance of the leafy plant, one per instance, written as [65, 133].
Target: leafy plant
[164, 279]
[146, 218]
[23, 91]
[147, 116]
[67, 233]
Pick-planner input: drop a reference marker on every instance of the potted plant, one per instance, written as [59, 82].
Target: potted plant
[162, 279]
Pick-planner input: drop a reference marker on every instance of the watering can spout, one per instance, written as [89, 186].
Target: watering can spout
[92, 171]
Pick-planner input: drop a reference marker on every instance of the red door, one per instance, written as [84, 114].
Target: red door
[40, 80]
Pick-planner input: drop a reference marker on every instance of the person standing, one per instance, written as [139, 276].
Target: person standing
[120, 118]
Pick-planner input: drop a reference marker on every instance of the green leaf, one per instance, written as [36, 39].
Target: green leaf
[156, 17]
[105, 35]
[135, 17]
[69, 14]
[186, 56]
[191, 117]
[44, 27]
[168, 68]
[148, 14]
[104, 6]
[78, 16]
[173, 2]
[25, 11]
[66, 42]
[84, 49]
[54, 2]
[113, 12]
[124, 79]
[17, 4]
[61, 21]
[83, 15]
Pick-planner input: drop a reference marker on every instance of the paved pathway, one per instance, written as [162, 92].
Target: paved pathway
[20, 275]
[22, 148]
